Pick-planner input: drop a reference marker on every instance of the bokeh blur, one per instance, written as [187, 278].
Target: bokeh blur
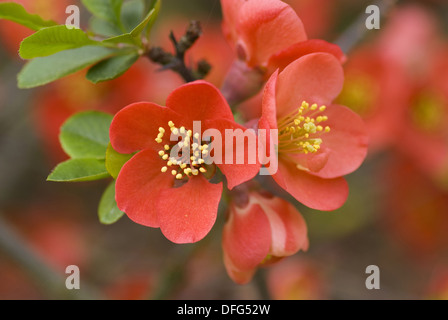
[396, 216]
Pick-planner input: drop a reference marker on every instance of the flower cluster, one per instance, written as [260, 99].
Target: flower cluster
[190, 152]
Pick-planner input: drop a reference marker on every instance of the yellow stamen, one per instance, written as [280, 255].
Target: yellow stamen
[300, 131]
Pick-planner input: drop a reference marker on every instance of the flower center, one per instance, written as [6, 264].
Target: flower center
[359, 94]
[185, 158]
[427, 111]
[301, 130]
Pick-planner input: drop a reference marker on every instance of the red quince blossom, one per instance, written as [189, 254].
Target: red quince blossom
[398, 84]
[157, 189]
[426, 121]
[266, 35]
[377, 90]
[317, 16]
[414, 213]
[318, 142]
[263, 231]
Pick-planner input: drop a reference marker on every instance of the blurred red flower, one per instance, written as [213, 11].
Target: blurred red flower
[415, 210]
[296, 279]
[266, 35]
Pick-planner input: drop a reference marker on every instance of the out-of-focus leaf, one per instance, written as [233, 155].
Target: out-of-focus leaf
[108, 10]
[132, 13]
[103, 28]
[15, 12]
[133, 36]
[155, 14]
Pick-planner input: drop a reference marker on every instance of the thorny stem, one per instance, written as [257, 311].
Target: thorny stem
[176, 61]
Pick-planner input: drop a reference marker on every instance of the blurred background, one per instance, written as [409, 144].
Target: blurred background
[396, 216]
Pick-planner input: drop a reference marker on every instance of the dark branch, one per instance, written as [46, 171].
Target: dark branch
[176, 61]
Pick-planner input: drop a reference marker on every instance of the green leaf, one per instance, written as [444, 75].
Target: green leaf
[43, 70]
[132, 13]
[108, 10]
[77, 170]
[133, 36]
[111, 68]
[108, 211]
[51, 40]
[15, 12]
[103, 28]
[86, 135]
[115, 161]
[155, 13]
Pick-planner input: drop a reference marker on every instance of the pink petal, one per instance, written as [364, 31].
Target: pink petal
[314, 192]
[314, 78]
[283, 58]
[246, 238]
[266, 27]
[346, 143]
[288, 228]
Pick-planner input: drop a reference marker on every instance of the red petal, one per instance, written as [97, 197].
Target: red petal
[288, 228]
[244, 165]
[268, 120]
[314, 192]
[269, 102]
[237, 275]
[314, 78]
[186, 214]
[346, 142]
[283, 58]
[136, 126]
[230, 10]
[199, 100]
[314, 162]
[246, 239]
[138, 187]
[267, 27]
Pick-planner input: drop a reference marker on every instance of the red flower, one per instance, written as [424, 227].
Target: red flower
[266, 35]
[263, 231]
[376, 89]
[414, 213]
[157, 189]
[318, 142]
